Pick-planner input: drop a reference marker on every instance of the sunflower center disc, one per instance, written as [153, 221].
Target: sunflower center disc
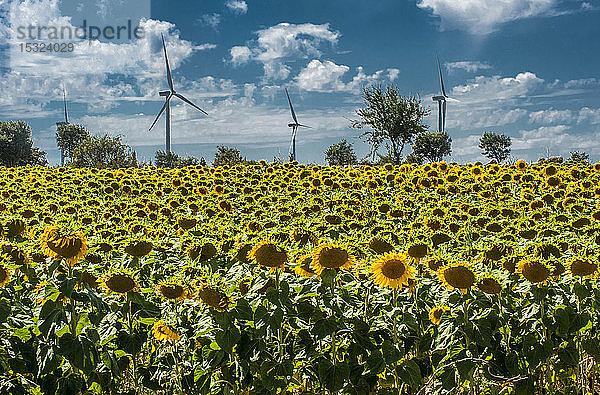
[393, 269]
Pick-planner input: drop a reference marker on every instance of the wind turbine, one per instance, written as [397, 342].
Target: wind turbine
[59, 124]
[294, 127]
[168, 96]
[441, 100]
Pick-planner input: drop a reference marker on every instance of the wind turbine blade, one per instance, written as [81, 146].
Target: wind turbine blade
[304, 126]
[452, 100]
[169, 78]
[291, 107]
[190, 103]
[441, 78]
[444, 116]
[66, 113]
[161, 112]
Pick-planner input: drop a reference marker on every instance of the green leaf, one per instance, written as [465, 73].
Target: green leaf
[243, 310]
[333, 377]
[375, 362]
[79, 351]
[52, 317]
[5, 309]
[228, 338]
[47, 359]
[324, 327]
[410, 373]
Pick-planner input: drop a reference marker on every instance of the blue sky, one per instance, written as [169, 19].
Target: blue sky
[526, 68]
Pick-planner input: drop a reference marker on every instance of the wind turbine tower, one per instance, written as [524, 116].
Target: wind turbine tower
[168, 95]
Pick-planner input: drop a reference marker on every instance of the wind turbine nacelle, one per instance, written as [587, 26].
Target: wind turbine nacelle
[164, 93]
[439, 98]
[292, 125]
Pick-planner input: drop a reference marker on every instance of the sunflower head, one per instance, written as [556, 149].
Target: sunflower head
[457, 276]
[269, 254]
[120, 282]
[304, 268]
[489, 285]
[213, 297]
[331, 256]
[162, 332]
[64, 244]
[582, 267]
[534, 271]
[521, 164]
[139, 248]
[435, 314]
[392, 270]
[4, 276]
[172, 291]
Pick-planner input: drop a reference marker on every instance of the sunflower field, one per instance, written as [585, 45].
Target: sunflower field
[285, 278]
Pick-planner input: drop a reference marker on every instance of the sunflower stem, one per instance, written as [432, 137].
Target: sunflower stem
[395, 334]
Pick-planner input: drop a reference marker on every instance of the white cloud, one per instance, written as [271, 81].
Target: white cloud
[322, 76]
[211, 20]
[468, 66]
[551, 116]
[240, 55]
[589, 115]
[484, 16]
[285, 42]
[327, 76]
[487, 89]
[237, 6]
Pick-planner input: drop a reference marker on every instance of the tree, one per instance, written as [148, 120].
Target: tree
[16, 146]
[495, 146]
[172, 160]
[340, 154]
[69, 137]
[394, 120]
[579, 156]
[104, 152]
[432, 145]
[413, 158]
[228, 156]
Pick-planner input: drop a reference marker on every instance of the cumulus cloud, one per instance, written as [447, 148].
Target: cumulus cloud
[327, 76]
[551, 116]
[484, 16]
[237, 6]
[488, 89]
[240, 55]
[471, 67]
[282, 43]
[589, 115]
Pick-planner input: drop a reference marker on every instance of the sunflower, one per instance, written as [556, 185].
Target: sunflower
[489, 286]
[392, 270]
[162, 332]
[68, 245]
[4, 276]
[269, 254]
[583, 267]
[380, 246]
[172, 291]
[435, 314]
[139, 248]
[418, 251]
[120, 282]
[331, 256]
[303, 269]
[521, 164]
[213, 297]
[457, 276]
[534, 271]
